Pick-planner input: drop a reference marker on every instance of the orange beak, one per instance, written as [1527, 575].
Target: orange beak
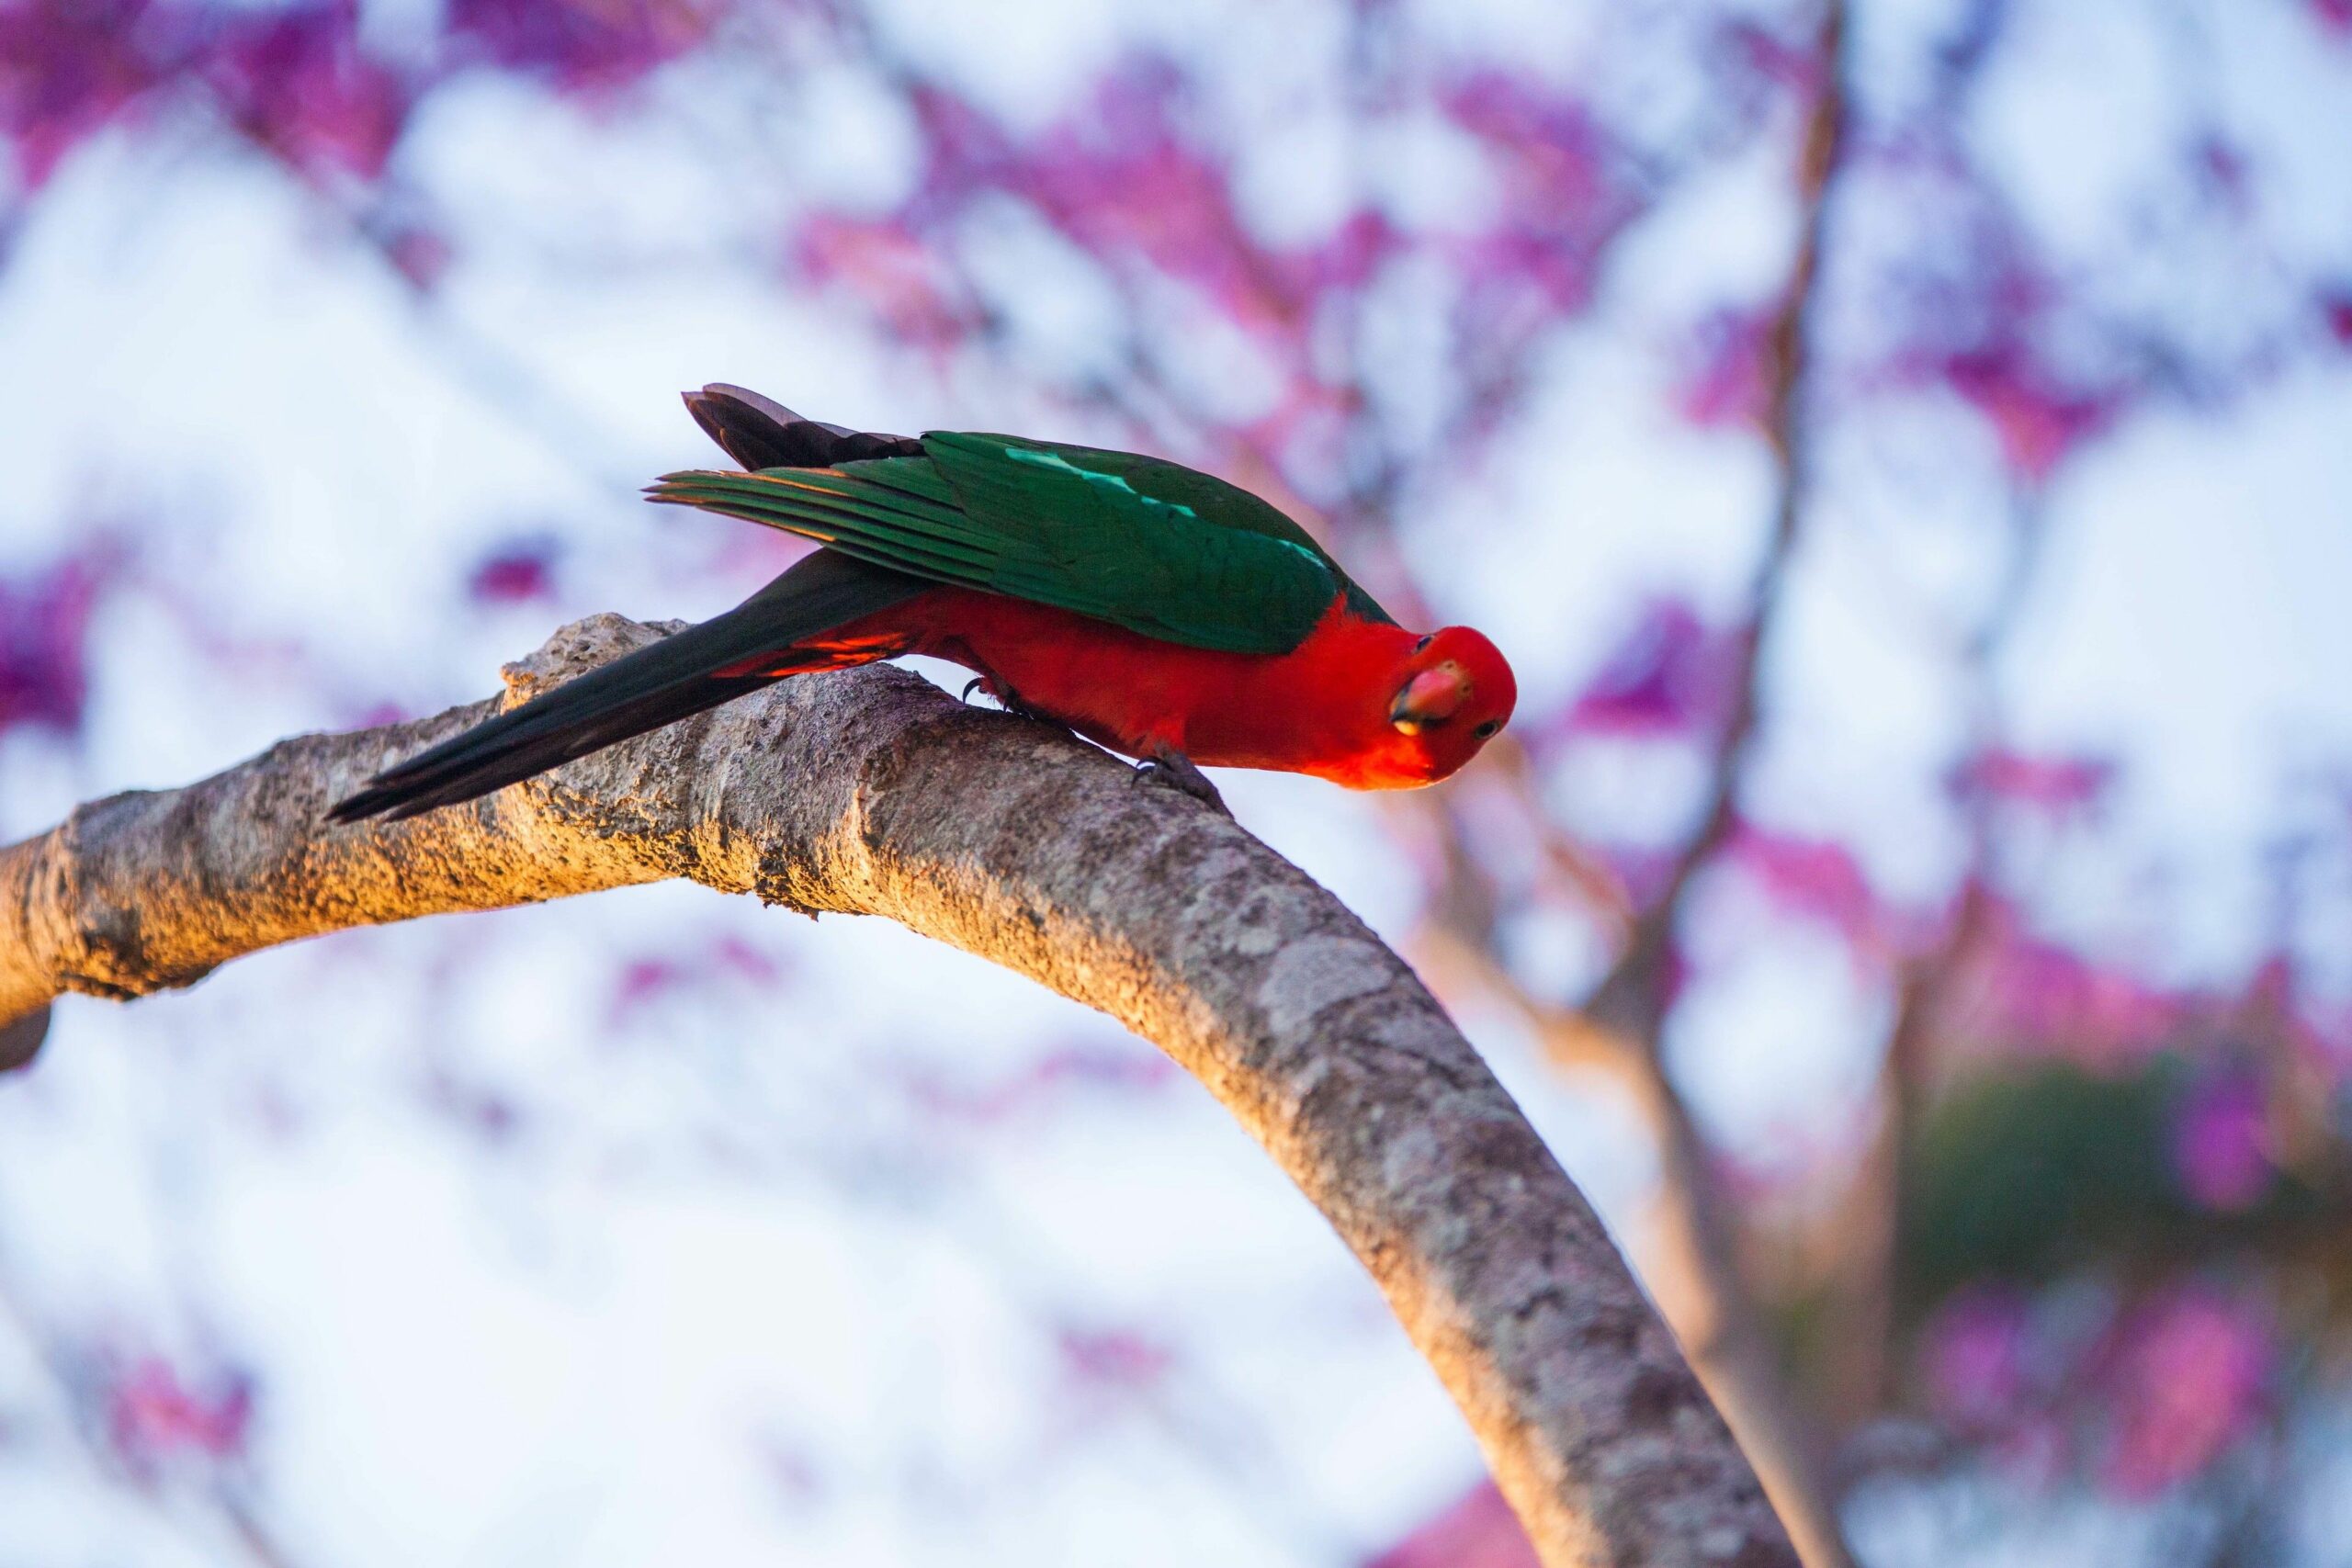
[1430, 697]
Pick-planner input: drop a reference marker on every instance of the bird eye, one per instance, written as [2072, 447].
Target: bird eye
[1489, 728]
[1425, 642]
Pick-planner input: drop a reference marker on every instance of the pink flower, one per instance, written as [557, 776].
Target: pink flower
[2034, 996]
[895, 272]
[1125, 176]
[2336, 307]
[1792, 64]
[1114, 1359]
[1733, 359]
[1115, 1069]
[2333, 15]
[295, 79]
[1667, 678]
[1348, 258]
[2190, 1372]
[580, 45]
[1562, 199]
[2038, 422]
[643, 981]
[1516, 256]
[1555, 152]
[1813, 877]
[2054, 785]
[1974, 1357]
[420, 254]
[67, 67]
[44, 626]
[2221, 1141]
[1079, 1067]
[963, 149]
[518, 574]
[1479, 1531]
[152, 1415]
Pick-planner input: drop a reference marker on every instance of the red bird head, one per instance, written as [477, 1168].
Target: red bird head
[1452, 694]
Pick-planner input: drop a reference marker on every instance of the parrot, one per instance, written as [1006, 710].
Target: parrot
[1155, 610]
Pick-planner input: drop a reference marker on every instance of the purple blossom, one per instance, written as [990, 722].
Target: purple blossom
[1790, 63]
[1667, 678]
[44, 628]
[2038, 419]
[420, 254]
[2335, 306]
[1729, 385]
[2034, 995]
[1124, 177]
[963, 149]
[643, 981]
[2224, 170]
[1563, 200]
[1974, 1357]
[153, 1414]
[1348, 259]
[896, 272]
[1117, 1361]
[2221, 1141]
[67, 67]
[1816, 878]
[2054, 785]
[1555, 152]
[649, 980]
[519, 574]
[1081, 1066]
[580, 45]
[1479, 1531]
[2189, 1375]
[297, 82]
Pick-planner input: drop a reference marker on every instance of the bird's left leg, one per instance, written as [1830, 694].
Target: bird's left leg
[1168, 766]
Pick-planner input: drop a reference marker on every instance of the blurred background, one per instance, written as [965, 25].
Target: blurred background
[1905, 446]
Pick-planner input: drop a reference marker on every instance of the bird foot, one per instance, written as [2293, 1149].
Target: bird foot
[1171, 768]
[1006, 701]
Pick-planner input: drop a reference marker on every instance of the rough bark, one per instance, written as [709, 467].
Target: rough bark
[871, 793]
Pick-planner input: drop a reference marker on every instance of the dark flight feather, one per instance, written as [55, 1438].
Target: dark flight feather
[656, 685]
[761, 433]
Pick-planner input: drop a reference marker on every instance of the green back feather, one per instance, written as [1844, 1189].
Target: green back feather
[1148, 545]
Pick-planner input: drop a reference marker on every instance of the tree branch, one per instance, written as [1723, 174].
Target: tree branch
[870, 792]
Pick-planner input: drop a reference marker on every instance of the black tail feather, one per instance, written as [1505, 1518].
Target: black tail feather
[760, 433]
[656, 685]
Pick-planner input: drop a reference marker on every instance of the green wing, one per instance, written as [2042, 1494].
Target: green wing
[1154, 547]
[1207, 498]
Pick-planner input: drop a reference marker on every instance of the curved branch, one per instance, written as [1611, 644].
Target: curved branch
[870, 792]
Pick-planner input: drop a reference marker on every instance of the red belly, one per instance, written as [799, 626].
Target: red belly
[1124, 690]
[1113, 686]
[1298, 711]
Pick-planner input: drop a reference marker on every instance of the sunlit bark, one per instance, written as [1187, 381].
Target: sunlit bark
[871, 793]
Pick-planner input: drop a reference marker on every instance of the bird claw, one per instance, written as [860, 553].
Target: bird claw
[1177, 771]
[1006, 700]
